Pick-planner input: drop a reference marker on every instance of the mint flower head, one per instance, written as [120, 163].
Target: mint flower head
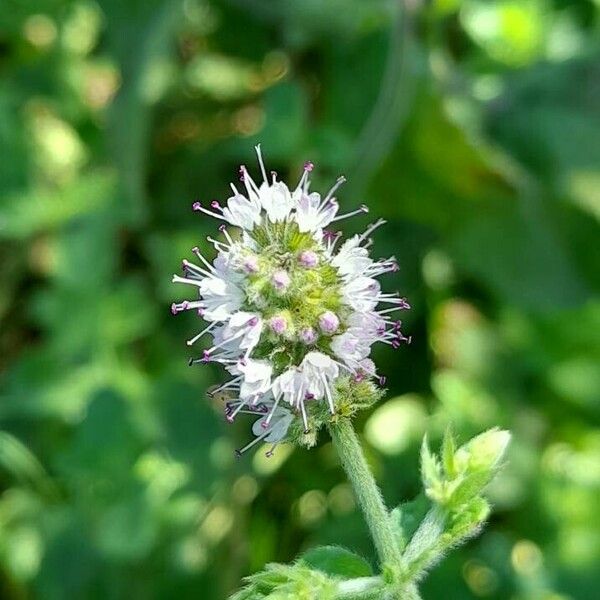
[292, 311]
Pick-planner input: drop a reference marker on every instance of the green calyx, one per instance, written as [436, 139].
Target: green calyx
[349, 397]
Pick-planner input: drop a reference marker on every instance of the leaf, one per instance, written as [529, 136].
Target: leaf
[431, 470]
[407, 516]
[287, 582]
[448, 450]
[16, 458]
[335, 560]
[28, 213]
[469, 487]
[423, 546]
[513, 253]
[468, 521]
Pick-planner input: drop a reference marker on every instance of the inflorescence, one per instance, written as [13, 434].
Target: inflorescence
[292, 311]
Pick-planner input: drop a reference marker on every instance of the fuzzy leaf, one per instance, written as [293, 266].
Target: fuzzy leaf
[426, 539]
[448, 451]
[337, 561]
[431, 470]
[467, 522]
[407, 517]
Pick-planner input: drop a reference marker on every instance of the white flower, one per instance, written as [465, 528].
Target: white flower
[257, 378]
[352, 259]
[276, 200]
[350, 348]
[289, 315]
[242, 212]
[244, 327]
[312, 214]
[221, 298]
[277, 428]
[287, 385]
[361, 293]
[320, 372]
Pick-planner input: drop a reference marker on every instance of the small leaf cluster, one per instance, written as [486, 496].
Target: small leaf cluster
[452, 507]
[326, 573]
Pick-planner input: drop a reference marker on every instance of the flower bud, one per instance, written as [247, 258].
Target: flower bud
[250, 264]
[278, 324]
[485, 451]
[329, 322]
[280, 280]
[308, 259]
[308, 335]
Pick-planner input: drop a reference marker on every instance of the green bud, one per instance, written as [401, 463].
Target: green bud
[484, 452]
[460, 475]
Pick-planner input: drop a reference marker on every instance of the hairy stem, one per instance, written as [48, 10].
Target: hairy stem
[366, 491]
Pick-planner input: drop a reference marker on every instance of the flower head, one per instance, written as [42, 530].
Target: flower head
[291, 316]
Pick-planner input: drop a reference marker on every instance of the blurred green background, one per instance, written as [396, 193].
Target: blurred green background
[473, 127]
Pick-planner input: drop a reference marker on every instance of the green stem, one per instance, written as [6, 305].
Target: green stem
[366, 491]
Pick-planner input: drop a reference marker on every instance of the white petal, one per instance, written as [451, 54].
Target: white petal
[276, 200]
[242, 212]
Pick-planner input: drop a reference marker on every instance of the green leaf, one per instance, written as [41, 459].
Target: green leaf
[18, 460]
[431, 470]
[338, 561]
[448, 450]
[468, 521]
[407, 517]
[425, 545]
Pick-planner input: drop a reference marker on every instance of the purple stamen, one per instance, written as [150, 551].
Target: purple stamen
[308, 166]
[196, 206]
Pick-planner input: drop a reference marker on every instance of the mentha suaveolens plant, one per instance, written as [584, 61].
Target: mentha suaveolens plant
[291, 309]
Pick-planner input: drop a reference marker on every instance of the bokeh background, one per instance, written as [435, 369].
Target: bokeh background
[473, 127]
